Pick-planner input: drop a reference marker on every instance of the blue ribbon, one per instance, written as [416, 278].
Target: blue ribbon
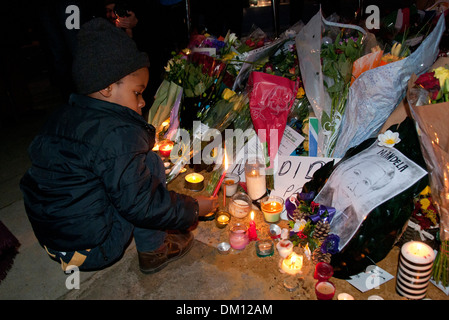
[324, 213]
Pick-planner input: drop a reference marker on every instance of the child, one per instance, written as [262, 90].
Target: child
[94, 181]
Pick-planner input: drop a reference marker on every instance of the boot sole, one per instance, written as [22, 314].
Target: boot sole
[162, 266]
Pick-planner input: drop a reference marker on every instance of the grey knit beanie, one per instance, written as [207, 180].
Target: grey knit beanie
[105, 54]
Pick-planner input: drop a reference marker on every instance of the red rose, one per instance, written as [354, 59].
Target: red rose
[430, 83]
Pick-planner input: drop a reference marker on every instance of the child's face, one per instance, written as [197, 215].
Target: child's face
[128, 91]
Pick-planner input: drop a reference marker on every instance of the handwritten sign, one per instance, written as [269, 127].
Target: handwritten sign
[294, 171]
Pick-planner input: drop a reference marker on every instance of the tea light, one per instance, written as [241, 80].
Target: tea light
[222, 219]
[272, 207]
[223, 247]
[285, 248]
[324, 290]
[256, 183]
[264, 248]
[414, 270]
[194, 181]
[238, 237]
[231, 181]
[292, 264]
[344, 296]
[165, 148]
[240, 205]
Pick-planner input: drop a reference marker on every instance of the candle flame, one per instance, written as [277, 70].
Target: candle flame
[293, 259]
[225, 159]
[252, 215]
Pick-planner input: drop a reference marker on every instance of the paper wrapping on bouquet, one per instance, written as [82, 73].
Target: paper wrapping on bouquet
[372, 189]
[270, 100]
[431, 122]
[308, 46]
[377, 92]
[167, 96]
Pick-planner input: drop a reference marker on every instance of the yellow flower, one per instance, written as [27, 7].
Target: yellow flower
[425, 191]
[229, 55]
[425, 203]
[442, 74]
[300, 93]
[227, 94]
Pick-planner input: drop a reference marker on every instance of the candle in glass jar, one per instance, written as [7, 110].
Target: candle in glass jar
[231, 181]
[285, 248]
[256, 184]
[292, 264]
[324, 290]
[165, 148]
[238, 237]
[272, 207]
[240, 205]
[222, 219]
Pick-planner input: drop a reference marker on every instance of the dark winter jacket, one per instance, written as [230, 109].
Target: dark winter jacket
[88, 163]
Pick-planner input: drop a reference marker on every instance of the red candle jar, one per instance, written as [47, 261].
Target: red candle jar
[324, 290]
[165, 148]
[323, 271]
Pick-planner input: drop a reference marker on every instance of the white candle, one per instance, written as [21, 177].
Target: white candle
[345, 296]
[292, 264]
[414, 270]
[418, 252]
[256, 184]
[285, 248]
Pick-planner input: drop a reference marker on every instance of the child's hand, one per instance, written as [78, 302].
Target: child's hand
[207, 204]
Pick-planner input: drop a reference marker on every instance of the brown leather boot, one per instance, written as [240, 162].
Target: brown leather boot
[175, 246]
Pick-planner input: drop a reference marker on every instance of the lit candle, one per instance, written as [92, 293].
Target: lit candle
[194, 181]
[165, 148]
[222, 219]
[345, 296]
[272, 207]
[252, 231]
[256, 184]
[223, 175]
[414, 270]
[292, 264]
[324, 290]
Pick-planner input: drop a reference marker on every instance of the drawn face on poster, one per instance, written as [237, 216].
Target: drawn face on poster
[363, 182]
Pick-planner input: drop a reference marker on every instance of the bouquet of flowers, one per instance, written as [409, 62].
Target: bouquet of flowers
[377, 92]
[430, 109]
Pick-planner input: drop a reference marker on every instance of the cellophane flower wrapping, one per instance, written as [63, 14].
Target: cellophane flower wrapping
[270, 100]
[431, 123]
[377, 92]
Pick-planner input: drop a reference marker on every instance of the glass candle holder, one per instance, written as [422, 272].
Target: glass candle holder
[256, 183]
[240, 205]
[323, 271]
[264, 248]
[165, 148]
[231, 181]
[324, 290]
[272, 207]
[222, 219]
[238, 236]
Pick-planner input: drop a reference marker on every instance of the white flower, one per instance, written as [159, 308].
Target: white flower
[388, 139]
